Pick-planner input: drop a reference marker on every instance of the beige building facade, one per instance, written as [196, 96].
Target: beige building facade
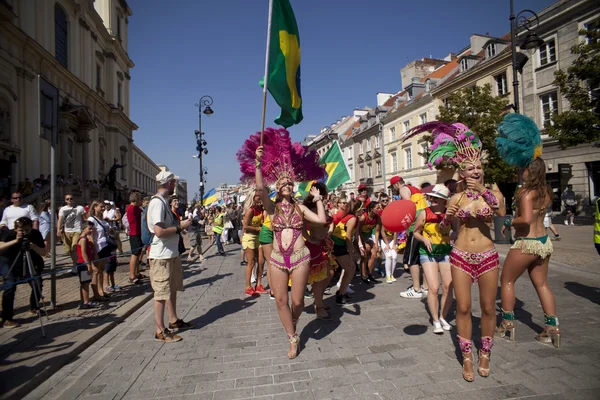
[79, 47]
[144, 172]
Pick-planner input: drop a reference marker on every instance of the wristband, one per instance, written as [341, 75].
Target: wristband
[508, 222]
[317, 198]
[490, 198]
[257, 163]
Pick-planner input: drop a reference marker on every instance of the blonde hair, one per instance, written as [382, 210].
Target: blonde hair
[249, 201]
[95, 203]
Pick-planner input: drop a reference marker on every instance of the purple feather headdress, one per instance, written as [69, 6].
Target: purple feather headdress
[453, 145]
[281, 159]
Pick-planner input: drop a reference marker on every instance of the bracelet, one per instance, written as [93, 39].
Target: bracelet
[490, 198]
[257, 163]
[317, 198]
[446, 222]
[508, 222]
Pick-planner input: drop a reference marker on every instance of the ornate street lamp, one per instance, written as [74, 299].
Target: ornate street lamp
[203, 108]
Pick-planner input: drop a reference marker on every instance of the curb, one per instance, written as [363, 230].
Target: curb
[89, 337]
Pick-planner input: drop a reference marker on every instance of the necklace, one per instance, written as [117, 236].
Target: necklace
[473, 195]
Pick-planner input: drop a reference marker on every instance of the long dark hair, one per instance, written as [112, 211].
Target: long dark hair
[536, 181]
[309, 201]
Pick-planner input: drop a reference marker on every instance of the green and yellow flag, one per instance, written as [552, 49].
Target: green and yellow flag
[284, 64]
[337, 172]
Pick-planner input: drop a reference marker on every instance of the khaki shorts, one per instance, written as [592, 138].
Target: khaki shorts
[166, 276]
[70, 240]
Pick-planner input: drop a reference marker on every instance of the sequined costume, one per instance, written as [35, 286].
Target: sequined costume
[474, 264]
[288, 259]
[540, 246]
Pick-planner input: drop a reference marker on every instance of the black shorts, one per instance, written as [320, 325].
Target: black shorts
[411, 252]
[340, 250]
[136, 245]
[111, 265]
[570, 209]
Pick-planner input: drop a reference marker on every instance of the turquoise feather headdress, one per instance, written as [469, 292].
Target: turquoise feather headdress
[519, 142]
[453, 145]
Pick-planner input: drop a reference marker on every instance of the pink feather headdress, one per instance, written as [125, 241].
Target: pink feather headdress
[453, 145]
[281, 158]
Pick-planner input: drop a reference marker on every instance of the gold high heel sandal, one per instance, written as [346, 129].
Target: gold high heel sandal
[507, 326]
[467, 376]
[483, 372]
[551, 333]
[294, 342]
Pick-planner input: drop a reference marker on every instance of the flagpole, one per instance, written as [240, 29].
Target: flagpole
[266, 76]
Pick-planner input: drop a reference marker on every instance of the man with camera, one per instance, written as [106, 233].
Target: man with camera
[13, 246]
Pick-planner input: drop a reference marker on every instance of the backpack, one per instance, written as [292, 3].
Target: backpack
[147, 236]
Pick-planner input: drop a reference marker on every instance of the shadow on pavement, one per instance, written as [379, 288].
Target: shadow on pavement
[222, 310]
[587, 292]
[205, 281]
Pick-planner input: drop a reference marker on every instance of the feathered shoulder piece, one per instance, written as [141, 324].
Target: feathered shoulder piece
[282, 158]
[453, 145]
[519, 141]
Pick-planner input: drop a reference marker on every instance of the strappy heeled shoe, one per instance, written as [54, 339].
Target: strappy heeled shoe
[322, 313]
[507, 326]
[483, 372]
[294, 344]
[467, 376]
[551, 333]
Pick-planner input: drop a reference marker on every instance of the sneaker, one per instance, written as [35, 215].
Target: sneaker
[271, 295]
[327, 290]
[260, 289]
[437, 327]
[393, 279]
[349, 290]
[388, 279]
[566, 222]
[340, 298]
[180, 325]
[9, 324]
[572, 223]
[250, 292]
[424, 291]
[308, 294]
[253, 279]
[117, 287]
[243, 263]
[110, 289]
[445, 325]
[167, 337]
[87, 306]
[372, 279]
[411, 293]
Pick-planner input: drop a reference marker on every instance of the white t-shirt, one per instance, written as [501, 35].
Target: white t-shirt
[162, 248]
[13, 213]
[71, 218]
[109, 215]
[101, 229]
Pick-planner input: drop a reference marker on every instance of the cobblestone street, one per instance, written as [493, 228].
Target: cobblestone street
[380, 347]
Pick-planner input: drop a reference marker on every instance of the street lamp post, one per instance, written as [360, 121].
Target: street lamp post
[530, 43]
[203, 108]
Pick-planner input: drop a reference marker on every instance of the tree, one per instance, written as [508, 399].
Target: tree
[580, 85]
[481, 111]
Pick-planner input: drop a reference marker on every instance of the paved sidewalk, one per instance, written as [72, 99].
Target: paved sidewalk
[380, 347]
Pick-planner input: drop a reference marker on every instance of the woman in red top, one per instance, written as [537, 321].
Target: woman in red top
[174, 202]
[134, 218]
[86, 253]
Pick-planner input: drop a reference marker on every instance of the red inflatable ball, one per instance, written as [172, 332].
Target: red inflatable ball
[399, 215]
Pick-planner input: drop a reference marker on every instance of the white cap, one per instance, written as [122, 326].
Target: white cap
[164, 177]
[440, 191]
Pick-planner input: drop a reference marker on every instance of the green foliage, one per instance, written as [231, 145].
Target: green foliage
[481, 111]
[580, 85]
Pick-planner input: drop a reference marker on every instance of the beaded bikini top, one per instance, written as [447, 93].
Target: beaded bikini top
[484, 213]
[288, 219]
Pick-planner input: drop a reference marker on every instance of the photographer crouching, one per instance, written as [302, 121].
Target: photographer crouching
[13, 245]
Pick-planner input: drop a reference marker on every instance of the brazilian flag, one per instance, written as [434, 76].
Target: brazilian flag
[284, 64]
[335, 166]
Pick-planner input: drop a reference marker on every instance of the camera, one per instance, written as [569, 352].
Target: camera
[25, 242]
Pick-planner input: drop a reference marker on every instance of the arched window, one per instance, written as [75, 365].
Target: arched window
[61, 36]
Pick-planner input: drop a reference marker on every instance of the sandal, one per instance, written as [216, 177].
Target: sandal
[134, 281]
[468, 376]
[294, 344]
[141, 276]
[483, 372]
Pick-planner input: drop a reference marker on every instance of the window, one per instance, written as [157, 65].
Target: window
[119, 27]
[424, 150]
[392, 133]
[362, 172]
[549, 104]
[593, 29]
[376, 141]
[98, 76]
[378, 166]
[369, 171]
[464, 65]
[368, 144]
[501, 87]
[548, 52]
[406, 126]
[61, 36]
[490, 51]
[408, 158]
[423, 118]
[119, 94]
[394, 162]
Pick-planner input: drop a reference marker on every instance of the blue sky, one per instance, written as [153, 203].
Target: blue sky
[350, 51]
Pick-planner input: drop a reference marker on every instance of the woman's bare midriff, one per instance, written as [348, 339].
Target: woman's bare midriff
[286, 237]
[474, 236]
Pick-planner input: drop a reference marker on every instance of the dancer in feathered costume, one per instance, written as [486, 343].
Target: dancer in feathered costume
[284, 163]
[474, 257]
[520, 144]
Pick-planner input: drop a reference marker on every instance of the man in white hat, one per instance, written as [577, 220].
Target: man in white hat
[166, 275]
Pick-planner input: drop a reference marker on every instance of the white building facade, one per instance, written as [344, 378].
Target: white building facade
[144, 172]
[79, 47]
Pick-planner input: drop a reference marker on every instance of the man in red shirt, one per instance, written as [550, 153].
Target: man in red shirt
[134, 217]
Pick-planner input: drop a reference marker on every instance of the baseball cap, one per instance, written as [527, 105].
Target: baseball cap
[164, 177]
[395, 179]
[362, 186]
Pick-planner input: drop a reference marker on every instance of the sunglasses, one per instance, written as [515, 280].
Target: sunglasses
[16, 198]
[69, 199]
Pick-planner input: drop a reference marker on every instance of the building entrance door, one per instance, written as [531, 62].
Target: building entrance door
[594, 176]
